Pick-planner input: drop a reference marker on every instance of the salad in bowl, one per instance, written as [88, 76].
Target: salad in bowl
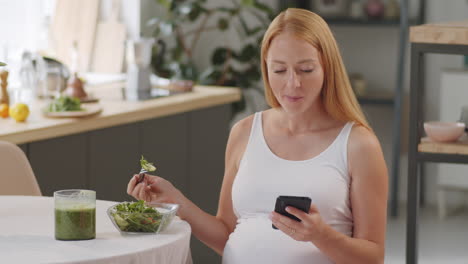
[140, 217]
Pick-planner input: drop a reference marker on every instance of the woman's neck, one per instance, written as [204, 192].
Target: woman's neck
[314, 119]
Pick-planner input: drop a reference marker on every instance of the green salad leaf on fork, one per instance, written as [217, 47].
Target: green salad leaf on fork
[145, 167]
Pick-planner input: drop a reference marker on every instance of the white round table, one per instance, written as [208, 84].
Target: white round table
[27, 236]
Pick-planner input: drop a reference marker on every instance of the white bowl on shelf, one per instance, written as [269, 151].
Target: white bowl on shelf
[444, 131]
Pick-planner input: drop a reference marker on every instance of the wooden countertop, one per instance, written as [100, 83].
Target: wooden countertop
[441, 33]
[458, 147]
[115, 112]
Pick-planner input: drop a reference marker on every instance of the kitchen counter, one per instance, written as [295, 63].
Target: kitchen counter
[115, 112]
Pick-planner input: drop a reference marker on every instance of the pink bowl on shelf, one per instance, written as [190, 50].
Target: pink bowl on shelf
[444, 131]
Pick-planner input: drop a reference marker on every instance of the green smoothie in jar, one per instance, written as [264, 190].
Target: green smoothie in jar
[75, 214]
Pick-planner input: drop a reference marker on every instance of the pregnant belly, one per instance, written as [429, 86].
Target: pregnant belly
[255, 241]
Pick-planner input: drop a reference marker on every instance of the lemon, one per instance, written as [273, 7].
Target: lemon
[19, 112]
[4, 110]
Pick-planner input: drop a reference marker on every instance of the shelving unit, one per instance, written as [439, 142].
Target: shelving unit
[447, 38]
[384, 99]
[367, 22]
[377, 99]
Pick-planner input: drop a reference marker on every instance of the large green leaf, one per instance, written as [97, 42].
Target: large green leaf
[195, 12]
[223, 24]
[230, 11]
[253, 73]
[248, 3]
[263, 7]
[220, 56]
[210, 75]
[177, 52]
[247, 53]
[165, 3]
[184, 70]
[2, 64]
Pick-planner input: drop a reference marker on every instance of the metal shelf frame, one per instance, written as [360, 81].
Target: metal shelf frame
[416, 158]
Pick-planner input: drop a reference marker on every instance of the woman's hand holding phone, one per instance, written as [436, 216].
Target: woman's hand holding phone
[310, 224]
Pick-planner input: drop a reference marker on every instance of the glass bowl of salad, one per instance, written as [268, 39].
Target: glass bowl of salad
[140, 217]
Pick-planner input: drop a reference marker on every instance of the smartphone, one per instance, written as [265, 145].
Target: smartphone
[299, 202]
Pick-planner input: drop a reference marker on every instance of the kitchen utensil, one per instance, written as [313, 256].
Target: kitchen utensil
[57, 75]
[76, 88]
[4, 97]
[141, 176]
[139, 53]
[109, 45]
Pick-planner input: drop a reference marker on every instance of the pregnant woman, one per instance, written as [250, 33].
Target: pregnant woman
[314, 141]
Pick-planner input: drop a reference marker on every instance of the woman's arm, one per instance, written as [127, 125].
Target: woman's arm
[214, 231]
[368, 195]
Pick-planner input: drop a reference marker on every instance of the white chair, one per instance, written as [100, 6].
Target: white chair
[16, 174]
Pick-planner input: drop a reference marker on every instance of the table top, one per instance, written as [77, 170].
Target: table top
[455, 32]
[115, 111]
[27, 236]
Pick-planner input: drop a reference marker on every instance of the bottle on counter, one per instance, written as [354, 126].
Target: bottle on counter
[4, 97]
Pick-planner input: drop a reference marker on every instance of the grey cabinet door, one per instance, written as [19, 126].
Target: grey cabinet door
[113, 158]
[59, 163]
[164, 142]
[209, 131]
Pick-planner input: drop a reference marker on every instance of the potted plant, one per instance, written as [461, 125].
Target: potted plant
[229, 66]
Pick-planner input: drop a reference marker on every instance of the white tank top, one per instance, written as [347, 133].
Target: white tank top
[263, 176]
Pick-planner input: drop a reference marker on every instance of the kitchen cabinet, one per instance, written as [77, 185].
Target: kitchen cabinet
[59, 163]
[207, 142]
[445, 38]
[112, 158]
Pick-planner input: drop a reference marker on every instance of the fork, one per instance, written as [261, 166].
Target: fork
[141, 176]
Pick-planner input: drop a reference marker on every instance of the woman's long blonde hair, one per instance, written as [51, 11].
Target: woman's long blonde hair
[337, 95]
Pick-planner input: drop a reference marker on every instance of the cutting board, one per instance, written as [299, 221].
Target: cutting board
[74, 21]
[108, 54]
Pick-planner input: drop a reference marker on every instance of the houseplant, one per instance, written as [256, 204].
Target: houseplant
[181, 29]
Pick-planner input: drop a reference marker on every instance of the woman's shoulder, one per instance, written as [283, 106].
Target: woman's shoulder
[362, 140]
[238, 139]
[363, 149]
[242, 127]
